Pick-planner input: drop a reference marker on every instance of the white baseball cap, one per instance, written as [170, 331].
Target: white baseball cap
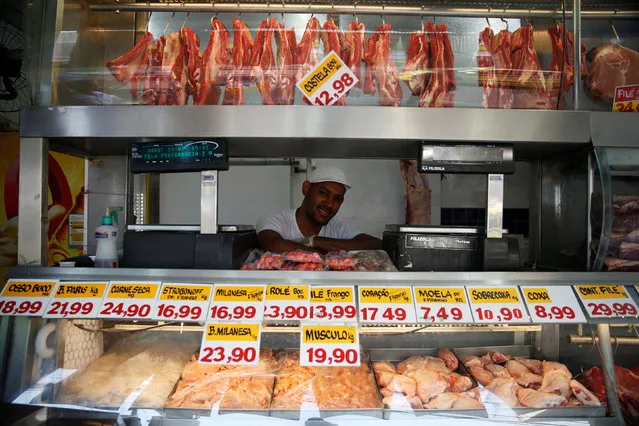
[328, 174]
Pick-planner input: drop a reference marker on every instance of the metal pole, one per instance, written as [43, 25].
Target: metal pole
[587, 340]
[576, 31]
[608, 365]
[208, 202]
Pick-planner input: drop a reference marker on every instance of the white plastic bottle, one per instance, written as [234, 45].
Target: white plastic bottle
[106, 235]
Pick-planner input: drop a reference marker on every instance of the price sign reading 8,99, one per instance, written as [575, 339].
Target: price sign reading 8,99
[495, 305]
[26, 297]
[232, 344]
[329, 81]
[553, 304]
[329, 345]
[183, 302]
[130, 300]
[607, 301]
[232, 302]
[76, 300]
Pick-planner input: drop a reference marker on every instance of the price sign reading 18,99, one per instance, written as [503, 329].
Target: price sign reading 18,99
[333, 304]
[26, 297]
[329, 345]
[287, 302]
[232, 344]
[442, 304]
[495, 305]
[553, 304]
[386, 305]
[237, 303]
[130, 300]
[183, 302]
[607, 301]
[76, 300]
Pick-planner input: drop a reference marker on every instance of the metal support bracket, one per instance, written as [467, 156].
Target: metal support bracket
[208, 202]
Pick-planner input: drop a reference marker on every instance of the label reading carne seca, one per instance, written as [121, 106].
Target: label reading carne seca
[130, 300]
[132, 291]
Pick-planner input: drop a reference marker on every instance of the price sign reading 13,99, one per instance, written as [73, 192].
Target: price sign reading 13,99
[333, 304]
[553, 304]
[495, 305]
[607, 301]
[183, 302]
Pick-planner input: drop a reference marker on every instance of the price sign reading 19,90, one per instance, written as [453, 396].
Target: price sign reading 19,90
[386, 305]
[495, 305]
[333, 304]
[230, 344]
[607, 301]
[329, 345]
[183, 302]
[287, 302]
[553, 304]
[237, 303]
[76, 300]
[26, 297]
[130, 300]
[442, 304]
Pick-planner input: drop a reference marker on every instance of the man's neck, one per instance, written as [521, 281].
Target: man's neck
[305, 224]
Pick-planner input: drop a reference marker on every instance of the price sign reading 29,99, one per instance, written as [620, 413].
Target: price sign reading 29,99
[378, 305]
[231, 344]
[607, 301]
[129, 300]
[495, 305]
[183, 302]
[237, 303]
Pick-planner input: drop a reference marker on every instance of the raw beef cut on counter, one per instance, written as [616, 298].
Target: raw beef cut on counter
[611, 65]
[627, 389]
[300, 260]
[623, 244]
[418, 193]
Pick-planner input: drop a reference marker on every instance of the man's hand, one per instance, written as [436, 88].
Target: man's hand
[273, 242]
[360, 242]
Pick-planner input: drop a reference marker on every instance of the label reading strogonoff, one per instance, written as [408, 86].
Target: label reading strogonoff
[431, 242]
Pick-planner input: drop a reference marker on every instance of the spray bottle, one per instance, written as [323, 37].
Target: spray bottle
[106, 235]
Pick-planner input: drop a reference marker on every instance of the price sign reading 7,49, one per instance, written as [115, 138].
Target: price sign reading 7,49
[329, 81]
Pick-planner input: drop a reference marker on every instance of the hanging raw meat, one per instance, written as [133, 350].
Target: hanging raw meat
[193, 61]
[263, 70]
[369, 58]
[526, 76]
[417, 60]
[240, 57]
[355, 38]
[611, 66]
[449, 59]
[215, 61]
[331, 40]
[285, 87]
[173, 78]
[149, 88]
[562, 55]
[437, 92]
[126, 66]
[418, 203]
[385, 72]
[486, 73]
[307, 50]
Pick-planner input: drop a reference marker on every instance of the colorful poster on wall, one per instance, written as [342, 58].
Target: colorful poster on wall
[66, 204]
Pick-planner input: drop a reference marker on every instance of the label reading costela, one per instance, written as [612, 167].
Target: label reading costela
[132, 291]
[238, 294]
[233, 332]
[439, 295]
[325, 70]
[602, 292]
[385, 295]
[28, 288]
[332, 295]
[192, 293]
[494, 295]
[333, 334]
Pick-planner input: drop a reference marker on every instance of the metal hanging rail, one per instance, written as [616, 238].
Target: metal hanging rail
[357, 10]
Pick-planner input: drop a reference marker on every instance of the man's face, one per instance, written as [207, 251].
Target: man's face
[322, 200]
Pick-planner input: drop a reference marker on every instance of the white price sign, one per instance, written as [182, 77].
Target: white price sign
[553, 305]
[333, 304]
[497, 305]
[380, 304]
[329, 345]
[129, 300]
[76, 300]
[230, 344]
[607, 301]
[329, 81]
[287, 302]
[26, 298]
[232, 302]
[183, 302]
[442, 305]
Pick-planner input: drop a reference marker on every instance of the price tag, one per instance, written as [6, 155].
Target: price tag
[130, 300]
[386, 305]
[494, 305]
[76, 300]
[553, 305]
[329, 345]
[183, 302]
[442, 305]
[237, 303]
[626, 99]
[26, 298]
[329, 81]
[329, 304]
[607, 301]
[287, 302]
[231, 344]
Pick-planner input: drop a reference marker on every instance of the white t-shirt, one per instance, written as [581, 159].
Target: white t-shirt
[285, 224]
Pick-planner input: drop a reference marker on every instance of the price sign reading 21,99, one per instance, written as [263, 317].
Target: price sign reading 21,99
[76, 300]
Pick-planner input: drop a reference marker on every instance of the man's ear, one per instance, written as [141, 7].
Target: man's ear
[306, 187]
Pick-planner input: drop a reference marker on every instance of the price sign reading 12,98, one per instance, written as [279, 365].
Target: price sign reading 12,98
[607, 301]
[386, 305]
[494, 305]
[287, 302]
[183, 302]
[553, 304]
[237, 303]
[329, 345]
[442, 304]
[333, 304]
[26, 297]
[231, 344]
[76, 300]
[329, 81]
[130, 300]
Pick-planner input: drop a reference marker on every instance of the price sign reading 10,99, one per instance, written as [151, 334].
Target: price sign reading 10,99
[553, 304]
[76, 300]
[129, 300]
[607, 301]
[183, 302]
[232, 302]
[497, 305]
[26, 297]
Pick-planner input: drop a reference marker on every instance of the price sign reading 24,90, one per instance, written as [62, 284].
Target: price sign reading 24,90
[494, 305]
[130, 300]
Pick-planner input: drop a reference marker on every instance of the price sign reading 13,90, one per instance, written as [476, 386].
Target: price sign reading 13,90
[607, 301]
[495, 305]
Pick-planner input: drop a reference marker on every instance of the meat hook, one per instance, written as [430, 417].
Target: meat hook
[488, 21]
[239, 10]
[186, 18]
[310, 7]
[381, 15]
[268, 7]
[355, 13]
[169, 23]
[614, 30]
[422, 19]
[283, 23]
[148, 21]
[505, 22]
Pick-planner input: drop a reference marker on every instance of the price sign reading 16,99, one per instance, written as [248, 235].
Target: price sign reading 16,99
[183, 302]
[237, 303]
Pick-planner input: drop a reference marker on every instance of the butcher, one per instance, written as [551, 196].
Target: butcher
[313, 225]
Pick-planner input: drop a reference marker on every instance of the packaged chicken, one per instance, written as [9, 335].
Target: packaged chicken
[325, 388]
[236, 387]
[426, 382]
[372, 260]
[146, 364]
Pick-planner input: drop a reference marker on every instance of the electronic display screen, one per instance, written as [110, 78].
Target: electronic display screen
[183, 156]
[467, 158]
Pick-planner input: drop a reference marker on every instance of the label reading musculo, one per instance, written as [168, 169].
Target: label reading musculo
[329, 334]
[494, 295]
[329, 345]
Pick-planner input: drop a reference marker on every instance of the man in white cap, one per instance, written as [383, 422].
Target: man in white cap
[313, 224]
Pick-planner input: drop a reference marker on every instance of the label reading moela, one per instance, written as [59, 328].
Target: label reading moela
[130, 300]
[497, 305]
[287, 302]
[553, 304]
[607, 301]
[183, 302]
[379, 304]
[329, 345]
[76, 300]
[237, 302]
[442, 305]
[230, 344]
[333, 304]
[26, 297]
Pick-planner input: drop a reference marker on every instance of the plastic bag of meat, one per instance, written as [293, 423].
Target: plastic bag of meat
[269, 261]
[340, 261]
[251, 260]
[302, 256]
[309, 267]
[372, 260]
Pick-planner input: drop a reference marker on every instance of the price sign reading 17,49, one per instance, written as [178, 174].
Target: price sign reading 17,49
[26, 297]
[386, 305]
[183, 302]
[130, 300]
[237, 303]
[329, 81]
[495, 305]
[607, 301]
[329, 345]
[442, 305]
[553, 304]
[76, 300]
[226, 343]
